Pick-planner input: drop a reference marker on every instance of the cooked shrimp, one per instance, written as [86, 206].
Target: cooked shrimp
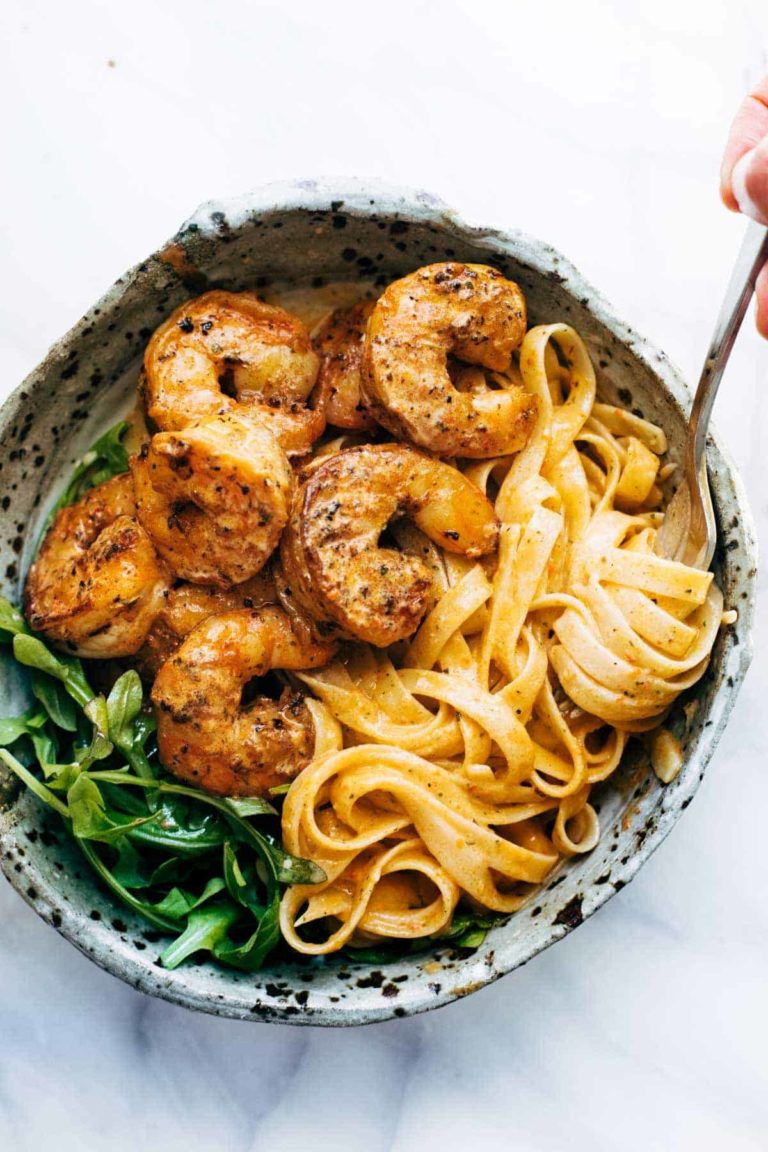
[330, 553]
[206, 734]
[468, 311]
[214, 498]
[340, 344]
[229, 351]
[187, 605]
[97, 584]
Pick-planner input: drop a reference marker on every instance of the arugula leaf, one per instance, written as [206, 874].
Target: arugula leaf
[143, 726]
[130, 869]
[251, 806]
[56, 701]
[206, 927]
[243, 886]
[123, 706]
[34, 785]
[295, 870]
[280, 866]
[101, 746]
[110, 450]
[170, 871]
[11, 620]
[124, 799]
[61, 777]
[467, 921]
[187, 826]
[46, 747]
[105, 458]
[468, 929]
[179, 903]
[31, 652]
[174, 832]
[129, 728]
[142, 907]
[250, 956]
[279, 789]
[32, 724]
[12, 728]
[89, 816]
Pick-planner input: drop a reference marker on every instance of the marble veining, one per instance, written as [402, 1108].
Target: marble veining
[645, 1028]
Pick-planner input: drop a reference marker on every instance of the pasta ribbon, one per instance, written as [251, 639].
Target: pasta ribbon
[459, 766]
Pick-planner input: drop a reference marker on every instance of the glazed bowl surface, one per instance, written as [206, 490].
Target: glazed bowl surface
[305, 234]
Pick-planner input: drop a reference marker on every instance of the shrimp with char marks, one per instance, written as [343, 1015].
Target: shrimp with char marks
[187, 605]
[467, 311]
[214, 498]
[231, 352]
[206, 733]
[97, 584]
[331, 556]
[340, 344]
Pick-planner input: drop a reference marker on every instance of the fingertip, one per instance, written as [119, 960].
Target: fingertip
[761, 296]
[749, 128]
[761, 319]
[726, 191]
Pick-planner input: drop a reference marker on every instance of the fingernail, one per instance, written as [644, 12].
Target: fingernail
[739, 185]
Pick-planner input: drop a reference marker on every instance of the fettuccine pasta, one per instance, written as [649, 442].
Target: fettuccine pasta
[457, 766]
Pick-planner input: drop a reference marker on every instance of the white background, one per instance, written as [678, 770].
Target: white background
[599, 127]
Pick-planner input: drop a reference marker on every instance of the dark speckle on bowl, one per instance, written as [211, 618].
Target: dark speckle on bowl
[570, 914]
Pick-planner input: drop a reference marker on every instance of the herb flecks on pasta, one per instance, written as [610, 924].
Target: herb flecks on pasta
[460, 766]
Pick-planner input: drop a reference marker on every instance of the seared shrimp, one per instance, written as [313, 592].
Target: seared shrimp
[97, 584]
[340, 344]
[214, 498]
[229, 351]
[330, 552]
[468, 311]
[206, 734]
[187, 605]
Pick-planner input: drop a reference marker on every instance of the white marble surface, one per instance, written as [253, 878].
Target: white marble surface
[598, 126]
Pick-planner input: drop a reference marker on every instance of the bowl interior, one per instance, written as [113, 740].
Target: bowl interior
[306, 236]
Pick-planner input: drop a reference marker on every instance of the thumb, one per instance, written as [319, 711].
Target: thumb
[749, 182]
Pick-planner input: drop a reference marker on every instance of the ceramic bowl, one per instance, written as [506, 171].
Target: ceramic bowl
[309, 232]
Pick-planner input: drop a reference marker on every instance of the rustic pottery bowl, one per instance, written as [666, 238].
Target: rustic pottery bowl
[308, 233]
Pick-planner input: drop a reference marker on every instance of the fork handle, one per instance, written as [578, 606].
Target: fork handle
[753, 254]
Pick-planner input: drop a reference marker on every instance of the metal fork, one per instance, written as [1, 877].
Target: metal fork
[689, 531]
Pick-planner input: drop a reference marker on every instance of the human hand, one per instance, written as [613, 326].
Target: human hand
[744, 176]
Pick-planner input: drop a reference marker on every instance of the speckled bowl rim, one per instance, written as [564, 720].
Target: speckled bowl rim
[375, 198]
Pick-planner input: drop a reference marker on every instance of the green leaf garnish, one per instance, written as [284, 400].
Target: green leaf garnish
[123, 706]
[192, 864]
[250, 956]
[14, 727]
[279, 789]
[34, 785]
[179, 903]
[130, 868]
[11, 620]
[251, 806]
[206, 928]
[106, 458]
[100, 746]
[294, 870]
[242, 883]
[89, 816]
[33, 653]
[57, 702]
